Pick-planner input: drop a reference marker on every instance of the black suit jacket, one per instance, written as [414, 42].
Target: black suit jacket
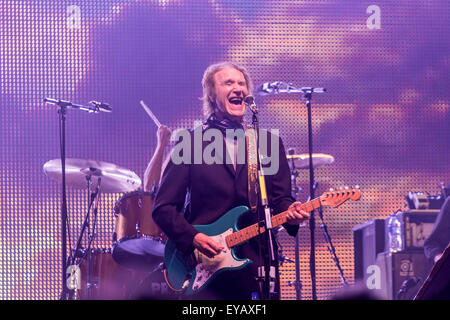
[192, 194]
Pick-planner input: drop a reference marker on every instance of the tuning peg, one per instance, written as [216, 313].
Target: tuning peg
[346, 188]
[331, 189]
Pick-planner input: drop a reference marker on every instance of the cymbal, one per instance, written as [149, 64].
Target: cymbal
[113, 178]
[301, 161]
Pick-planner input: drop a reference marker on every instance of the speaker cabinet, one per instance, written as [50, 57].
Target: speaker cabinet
[368, 241]
[399, 275]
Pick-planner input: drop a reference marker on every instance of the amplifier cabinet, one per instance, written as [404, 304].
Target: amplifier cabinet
[416, 226]
[368, 242]
[399, 275]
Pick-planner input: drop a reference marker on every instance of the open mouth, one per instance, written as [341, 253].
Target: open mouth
[236, 100]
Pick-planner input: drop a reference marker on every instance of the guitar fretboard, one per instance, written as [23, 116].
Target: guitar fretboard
[256, 229]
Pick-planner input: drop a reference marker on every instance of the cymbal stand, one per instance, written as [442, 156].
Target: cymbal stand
[79, 252]
[91, 236]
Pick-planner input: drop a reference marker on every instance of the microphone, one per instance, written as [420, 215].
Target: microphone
[282, 87]
[95, 108]
[313, 90]
[406, 285]
[267, 88]
[249, 100]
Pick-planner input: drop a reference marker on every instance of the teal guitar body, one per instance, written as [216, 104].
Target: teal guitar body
[179, 270]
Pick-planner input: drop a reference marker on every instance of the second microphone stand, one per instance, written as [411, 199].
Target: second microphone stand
[266, 278]
[297, 284]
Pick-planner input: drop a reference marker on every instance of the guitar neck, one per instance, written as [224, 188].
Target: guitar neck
[256, 229]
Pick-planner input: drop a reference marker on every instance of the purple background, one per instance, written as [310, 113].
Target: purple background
[385, 117]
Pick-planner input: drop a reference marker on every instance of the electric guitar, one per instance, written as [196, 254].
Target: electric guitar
[189, 279]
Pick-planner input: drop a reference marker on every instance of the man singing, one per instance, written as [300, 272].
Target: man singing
[197, 192]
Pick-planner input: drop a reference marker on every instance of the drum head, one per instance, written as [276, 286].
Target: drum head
[143, 253]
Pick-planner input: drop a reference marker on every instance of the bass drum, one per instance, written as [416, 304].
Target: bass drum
[138, 242]
[107, 280]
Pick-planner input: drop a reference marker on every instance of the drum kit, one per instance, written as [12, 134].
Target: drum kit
[138, 244]
[136, 253]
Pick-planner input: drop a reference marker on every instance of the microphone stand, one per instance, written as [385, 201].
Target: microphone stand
[282, 87]
[297, 284]
[312, 221]
[267, 290]
[62, 111]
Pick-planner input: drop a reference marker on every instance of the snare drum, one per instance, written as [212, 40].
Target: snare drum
[138, 242]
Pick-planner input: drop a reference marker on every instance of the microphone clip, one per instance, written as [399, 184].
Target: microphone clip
[100, 106]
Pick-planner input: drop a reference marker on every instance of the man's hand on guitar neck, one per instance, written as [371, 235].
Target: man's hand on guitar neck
[209, 247]
[295, 215]
[206, 245]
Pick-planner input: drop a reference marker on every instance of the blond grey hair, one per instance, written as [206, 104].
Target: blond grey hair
[208, 84]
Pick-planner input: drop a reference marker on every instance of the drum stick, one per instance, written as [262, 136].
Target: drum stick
[147, 109]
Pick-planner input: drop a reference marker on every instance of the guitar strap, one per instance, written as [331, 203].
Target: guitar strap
[252, 164]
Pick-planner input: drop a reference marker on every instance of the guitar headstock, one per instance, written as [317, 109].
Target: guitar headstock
[335, 198]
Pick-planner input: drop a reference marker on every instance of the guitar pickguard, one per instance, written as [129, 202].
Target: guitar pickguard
[206, 267]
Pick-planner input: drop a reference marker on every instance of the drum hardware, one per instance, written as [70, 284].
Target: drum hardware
[90, 175]
[138, 229]
[303, 161]
[93, 200]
